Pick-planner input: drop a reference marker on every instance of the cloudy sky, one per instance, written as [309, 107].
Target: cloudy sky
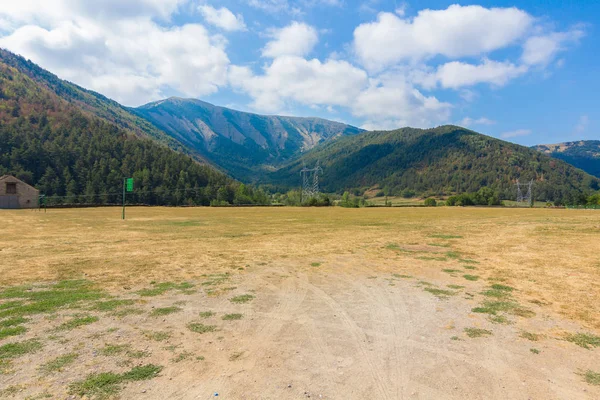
[526, 72]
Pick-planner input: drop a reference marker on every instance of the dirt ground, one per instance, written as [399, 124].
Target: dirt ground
[294, 303]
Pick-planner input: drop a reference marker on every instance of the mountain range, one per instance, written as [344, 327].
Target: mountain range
[72, 142]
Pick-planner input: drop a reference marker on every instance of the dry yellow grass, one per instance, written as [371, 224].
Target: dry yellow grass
[552, 257]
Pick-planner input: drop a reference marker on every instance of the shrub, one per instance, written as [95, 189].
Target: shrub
[430, 202]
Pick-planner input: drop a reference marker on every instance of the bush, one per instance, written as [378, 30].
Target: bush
[430, 202]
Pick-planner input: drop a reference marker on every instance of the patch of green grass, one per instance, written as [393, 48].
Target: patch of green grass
[498, 291]
[232, 317]
[216, 279]
[111, 305]
[206, 314]
[14, 350]
[440, 293]
[12, 331]
[457, 287]
[439, 244]
[30, 300]
[510, 307]
[477, 332]
[425, 283]
[530, 336]
[451, 271]
[111, 350]
[244, 298]
[585, 340]
[77, 322]
[127, 311]
[137, 353]
[182, 356]
[500, 319]
[157, 335]
[159, 312]
[200, 358]
[469, 267]
[455, 338]
[315, 264]
[58, 363]
[471, 277]
[453, 255]
[201, 328]
[14, 321]
[107, 384]
[401, 276]
[504, 288]
[591, 377]
[163, 287]
[468, 261]
[445, 236]
[534, 350]
[426, 258]
[236, 356]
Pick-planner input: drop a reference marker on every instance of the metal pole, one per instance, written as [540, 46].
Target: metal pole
[124, 183]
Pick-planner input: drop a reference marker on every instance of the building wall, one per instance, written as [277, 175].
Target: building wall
[27, 196]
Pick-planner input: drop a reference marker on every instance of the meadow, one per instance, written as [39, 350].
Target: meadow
[295, 302]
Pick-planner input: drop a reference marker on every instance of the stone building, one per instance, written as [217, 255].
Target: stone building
[15, 193]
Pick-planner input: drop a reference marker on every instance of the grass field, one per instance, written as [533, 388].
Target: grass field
[288, 302]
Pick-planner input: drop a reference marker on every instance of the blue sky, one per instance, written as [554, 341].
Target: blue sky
[523, 71]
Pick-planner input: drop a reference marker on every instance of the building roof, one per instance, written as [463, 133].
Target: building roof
[3, 177]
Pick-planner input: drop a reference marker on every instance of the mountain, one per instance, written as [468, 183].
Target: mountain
[78, 146]
[584, 154]
[241, 143]
[444, 160]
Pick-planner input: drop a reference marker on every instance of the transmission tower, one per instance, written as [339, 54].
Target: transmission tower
[519, 192]
[310, 187]
[529, 196]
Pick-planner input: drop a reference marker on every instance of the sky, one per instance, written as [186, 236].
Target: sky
[525, 72]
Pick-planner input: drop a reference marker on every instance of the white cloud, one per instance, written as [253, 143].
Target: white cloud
[467, 121]
[454, 32]
[309, 82]
[125, 55]
[517, 133]
[296, 39]
[457, 74]
[540, 50]
[223, 18]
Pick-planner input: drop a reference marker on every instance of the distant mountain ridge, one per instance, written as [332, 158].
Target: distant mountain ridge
[584, 154]
[440, 161]
[241, 143]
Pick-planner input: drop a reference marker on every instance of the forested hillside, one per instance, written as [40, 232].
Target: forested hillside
[441, 161]
[584, 154]
[69, 152]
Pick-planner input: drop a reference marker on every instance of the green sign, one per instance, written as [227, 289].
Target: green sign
[129, 184]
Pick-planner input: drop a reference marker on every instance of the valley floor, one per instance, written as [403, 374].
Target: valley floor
[292, 303]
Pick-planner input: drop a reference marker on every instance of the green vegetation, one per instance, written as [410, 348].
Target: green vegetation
[440, 293]
[451, 271]
[477, 332]
[455, 287]
[12, 331]
[534, 337]
[182, 356]
[59, 363]
[107, 384]
[13, 322]
[47, 299]
[444, 236]
[471, 277]
[315, 264]
[232, 317]
[591, 377]
[483, 197]
[582, 154]
[111, 305]
[430, 202]
[76, 322]
[201, 328]
[585, 340]
[158, 312]
[161, 288]
[114, 349]
[14, 350]
[244, 298]
[157, 335]
[534, 350]
[206, 314]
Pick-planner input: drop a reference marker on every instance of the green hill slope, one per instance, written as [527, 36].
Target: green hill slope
[241, 143]
[52, 136]
[444, 160]
[584, 154]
